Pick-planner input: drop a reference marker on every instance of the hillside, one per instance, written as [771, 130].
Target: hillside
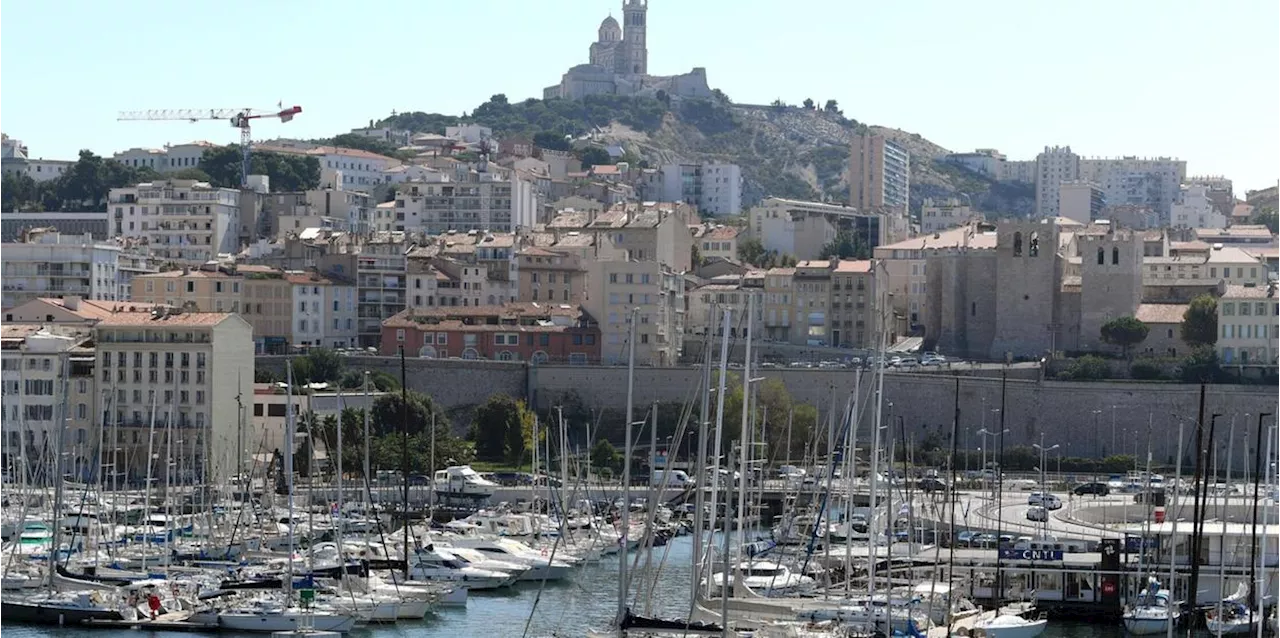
[784, 151]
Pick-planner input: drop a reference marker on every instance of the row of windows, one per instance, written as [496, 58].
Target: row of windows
[153, 358]
[153, 376]
[33, 363]
[1248, 331]
[1247, 308]
[190, 286]
[629, 278]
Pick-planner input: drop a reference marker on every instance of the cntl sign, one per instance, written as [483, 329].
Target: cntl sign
[1031, 554]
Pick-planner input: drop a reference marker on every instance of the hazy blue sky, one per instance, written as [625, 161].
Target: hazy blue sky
[1193, 79]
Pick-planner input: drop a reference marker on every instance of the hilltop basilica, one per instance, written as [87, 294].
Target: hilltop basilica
[619, 64]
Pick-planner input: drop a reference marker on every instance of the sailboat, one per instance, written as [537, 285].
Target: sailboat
[1232, 615]
[1152, 612]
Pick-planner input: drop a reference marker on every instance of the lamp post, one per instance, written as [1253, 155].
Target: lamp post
[1044, 488]
[1101, 456]
[1113, 432]
[984, 433]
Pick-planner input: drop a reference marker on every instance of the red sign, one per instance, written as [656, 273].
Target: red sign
[1108, 587]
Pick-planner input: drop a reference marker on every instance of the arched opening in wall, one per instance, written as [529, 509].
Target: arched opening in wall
[539, 357]
[1115, 256]
[1034, 247]
[505, 355]
[1017, 244]
[427, 352]
[470, 353]
[1102, 256]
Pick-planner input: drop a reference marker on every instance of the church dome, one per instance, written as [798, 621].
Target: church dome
[609, 30]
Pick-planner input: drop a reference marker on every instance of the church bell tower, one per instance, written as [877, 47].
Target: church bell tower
[633, 37]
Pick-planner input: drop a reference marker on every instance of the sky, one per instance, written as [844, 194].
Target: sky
[1184, 78]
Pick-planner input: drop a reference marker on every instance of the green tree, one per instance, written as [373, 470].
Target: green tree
[386, 416]
[846, 245]
[594, 156]
[378, 380]
[695, 255]
[808, 104]
[832, 107]
[364, 143]
[319, 365]
[192, 173]
[551, 140]
[286, 172]
[1200, 321]
[751, 251]
[1265, 217]
[1086, 368]
[1125, 332]
[265, 376]
[1201, 366]
[605, 458]
[502, 430]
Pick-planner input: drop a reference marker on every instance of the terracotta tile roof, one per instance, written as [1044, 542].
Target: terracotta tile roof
[1247, 292]
[605, 169]
[723, 232]
[309, 279]
[1161, 312]
[192, 319]
[784, 272]
[91, 309]
[516, 310]
[535, 251]
[853, 266]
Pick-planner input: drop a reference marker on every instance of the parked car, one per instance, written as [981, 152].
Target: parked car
[984, 540]
[1095, 488]
[1037, 513]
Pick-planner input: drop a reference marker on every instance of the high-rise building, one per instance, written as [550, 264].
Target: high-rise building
[879, 173]
[47, 374]
[50, 264]
[495, 199]
[1080, 200]
[716, 189]
[1054, 166]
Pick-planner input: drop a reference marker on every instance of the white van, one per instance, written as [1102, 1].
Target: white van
[671, 478]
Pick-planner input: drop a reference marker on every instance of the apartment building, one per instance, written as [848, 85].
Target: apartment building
[343, 168]
[550, 276]
[50, 264]
[1080, 201]
[615, 288]
[879, 173]
[380, 274]
[937, 215]
[185, 372]
[779, 286]
[327, 208]
[1249, 325]
[198, 289]
[1054, 166]
[267, 305]
[727, 292]
[1194, 208]
[716, 241]
[181, 220]
[648, 231]
[1151, 182]
[14, 226]
[802, 229]
[171, 158]
[47, 377]
[324, 311]
[984, 161]
[465, 199]
[715, 189]
[514, 331]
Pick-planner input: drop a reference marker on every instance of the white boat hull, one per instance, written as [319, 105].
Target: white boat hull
[1146, 626]
[1024, 629]
[1229, 627]
[268, 622]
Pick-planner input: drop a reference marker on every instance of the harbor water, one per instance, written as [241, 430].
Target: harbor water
[567, 609]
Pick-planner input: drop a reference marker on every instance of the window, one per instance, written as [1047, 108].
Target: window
[1115, 256]
[399, 334]
[191, 286]
[1102, 256]
[644, 338]
[1017, 246]
[1228, 309]
[199, 397]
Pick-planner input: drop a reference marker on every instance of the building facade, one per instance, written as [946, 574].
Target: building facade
[937, 215]
[180, 220]
[1054, 166]
[203, 290]
[655, 292]
[519, 331]
[50, 264]
[47, 376]
[879, 173]
[464, 200]
[1080, 201]
[802, 229]
[188, 373]
[716, 189]
[1195, 208]
[1248, 321]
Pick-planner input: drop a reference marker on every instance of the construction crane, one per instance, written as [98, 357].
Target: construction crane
[239, 118]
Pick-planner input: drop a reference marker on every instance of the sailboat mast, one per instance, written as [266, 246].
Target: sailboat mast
[341, 409]
[717, 437]
[1173, 525]
[404, 458]
[744, 435]
[1256, 585]
[365, 414]
[626, 470]
[287, 453]
[60, 464]
[699, 462]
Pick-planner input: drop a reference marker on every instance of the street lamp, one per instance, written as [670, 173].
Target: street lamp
[1099, 440]
[984, 433]
[1044, 488]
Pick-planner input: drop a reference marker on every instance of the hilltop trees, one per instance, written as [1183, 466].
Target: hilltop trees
[286, 172]
[502, 430]
[83, 186]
